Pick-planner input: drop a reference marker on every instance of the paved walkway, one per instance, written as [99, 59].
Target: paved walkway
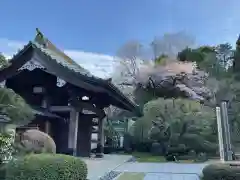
[153, 171]
[162, 168]
[98, 167]
[164, 171]
[159, 176]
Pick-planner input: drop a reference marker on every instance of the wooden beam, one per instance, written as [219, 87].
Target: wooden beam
[85, 105]
[80, 106]
[60, 108]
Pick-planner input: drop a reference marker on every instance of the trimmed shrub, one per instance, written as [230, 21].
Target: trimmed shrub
[142, 146]
[199, 144]
[38, 142]
[156, 149]
[46, 167]
[223, 171]
[201, 157]
[192, 154]
[2, 171]
[177, 150]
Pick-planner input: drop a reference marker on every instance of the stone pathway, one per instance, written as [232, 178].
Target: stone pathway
[162, 176]
[162, 168]
[99, 167]
[164, 171]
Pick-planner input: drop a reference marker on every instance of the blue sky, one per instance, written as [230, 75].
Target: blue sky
[102, 26]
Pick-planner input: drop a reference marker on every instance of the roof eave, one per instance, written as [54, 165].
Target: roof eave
[127, 104]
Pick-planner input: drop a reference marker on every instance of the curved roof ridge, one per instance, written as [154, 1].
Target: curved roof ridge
[47, 44]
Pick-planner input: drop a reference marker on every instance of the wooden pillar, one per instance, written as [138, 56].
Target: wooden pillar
[45, 104]
[84, 136]
[100, 148]
[48, 127]
[73, 131]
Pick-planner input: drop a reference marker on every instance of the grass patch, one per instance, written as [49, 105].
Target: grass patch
[131, 176]
[147, 157]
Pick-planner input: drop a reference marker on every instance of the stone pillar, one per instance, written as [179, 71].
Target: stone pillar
[220, 134]
[73, 131]
[84, 136]
[100, 146]
[227, 132]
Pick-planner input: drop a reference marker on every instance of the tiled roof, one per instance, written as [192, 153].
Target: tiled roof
[53, 53]
[60, 57]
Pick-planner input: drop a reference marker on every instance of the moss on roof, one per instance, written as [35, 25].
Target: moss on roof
[51, 50]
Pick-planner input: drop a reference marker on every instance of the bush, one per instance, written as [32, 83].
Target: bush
[2, 171]
[223, 171]
[38, 142]
[6, 147]
[201, 157]
[198, 144]
[192, 154]
[177, 150]
[142, 146]
[156, 149]
[46, 167]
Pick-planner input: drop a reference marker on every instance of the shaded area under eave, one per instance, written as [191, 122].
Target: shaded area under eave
[39, 111]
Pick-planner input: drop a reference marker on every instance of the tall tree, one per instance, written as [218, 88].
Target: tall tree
[236, 59]
[224, 54]
[128, 58]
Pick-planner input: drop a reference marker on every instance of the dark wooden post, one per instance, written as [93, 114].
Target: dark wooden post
[84, 136]
[73, 131]
[100, 148]
[45, 104]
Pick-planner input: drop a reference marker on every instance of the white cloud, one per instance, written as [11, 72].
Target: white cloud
[98, 64]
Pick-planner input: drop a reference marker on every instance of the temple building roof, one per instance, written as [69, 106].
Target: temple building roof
[59, 64]
[48, 48]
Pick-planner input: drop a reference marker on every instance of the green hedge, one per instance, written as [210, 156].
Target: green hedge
[2, 171]
[221, 171]
[47, 167]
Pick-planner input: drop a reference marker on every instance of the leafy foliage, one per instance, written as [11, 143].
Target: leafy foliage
[15, 107]
[177, 120]
[174, 118]
[6, 147]
[224, 171]
[3, 61]
[48, 167]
